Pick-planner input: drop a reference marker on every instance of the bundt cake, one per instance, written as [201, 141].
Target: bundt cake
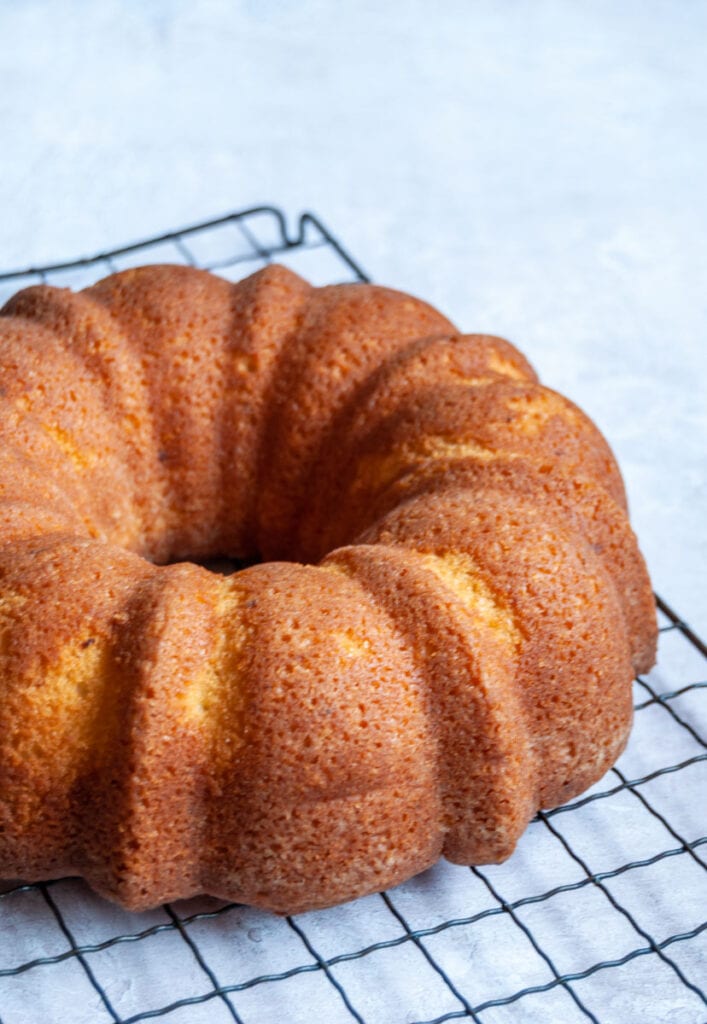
[432, 637]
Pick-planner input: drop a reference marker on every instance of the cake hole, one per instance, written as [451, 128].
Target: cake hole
[223, 566]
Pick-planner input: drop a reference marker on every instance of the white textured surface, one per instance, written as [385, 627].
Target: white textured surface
[536, 170]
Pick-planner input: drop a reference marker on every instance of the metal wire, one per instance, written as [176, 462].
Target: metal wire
[257, 236]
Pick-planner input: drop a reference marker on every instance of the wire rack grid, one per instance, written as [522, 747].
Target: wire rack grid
[600, 915]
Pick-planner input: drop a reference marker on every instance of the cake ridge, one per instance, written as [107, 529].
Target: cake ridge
[462, 676]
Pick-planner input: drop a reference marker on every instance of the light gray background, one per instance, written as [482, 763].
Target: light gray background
[535, 169]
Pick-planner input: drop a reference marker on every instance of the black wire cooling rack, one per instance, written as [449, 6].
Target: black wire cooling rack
[600, 915]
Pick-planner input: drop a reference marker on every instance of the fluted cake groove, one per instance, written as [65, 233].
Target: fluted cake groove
[438, 638]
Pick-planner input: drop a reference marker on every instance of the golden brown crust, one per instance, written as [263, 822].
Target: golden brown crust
[294, 735]
[346, 332]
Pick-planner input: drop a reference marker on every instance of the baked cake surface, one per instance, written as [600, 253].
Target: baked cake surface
[439, 636]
